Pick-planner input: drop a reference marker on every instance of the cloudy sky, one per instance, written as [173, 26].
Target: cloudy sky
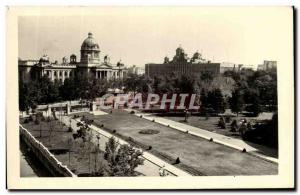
[143, 35]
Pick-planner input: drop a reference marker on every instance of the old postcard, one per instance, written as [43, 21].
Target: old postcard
[150, 97]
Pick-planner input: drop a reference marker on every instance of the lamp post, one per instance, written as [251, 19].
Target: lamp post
[98, 138]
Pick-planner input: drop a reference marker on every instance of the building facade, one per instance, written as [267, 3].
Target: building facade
[181, 64]
[227, 66]
[90, 64]
[136, 70]
[267, 65]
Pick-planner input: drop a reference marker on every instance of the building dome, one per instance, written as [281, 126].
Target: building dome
[197, 55]
[89, 43]
[44, 58]
[179, 50]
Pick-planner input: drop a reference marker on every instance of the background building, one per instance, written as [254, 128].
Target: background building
[181, 64]
[267, 65]
[227, 66]
[136, 70]
[90, 64]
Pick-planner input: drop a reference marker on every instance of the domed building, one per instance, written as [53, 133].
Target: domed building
[182, 64]
[90, 51]
[90, 65]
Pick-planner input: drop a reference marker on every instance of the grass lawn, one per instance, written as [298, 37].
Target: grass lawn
[210, 124]
[61, 141]
[198, 156]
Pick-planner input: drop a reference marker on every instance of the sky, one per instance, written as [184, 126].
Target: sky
[140, 35]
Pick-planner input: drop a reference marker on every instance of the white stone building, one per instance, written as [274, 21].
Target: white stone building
[90, 64]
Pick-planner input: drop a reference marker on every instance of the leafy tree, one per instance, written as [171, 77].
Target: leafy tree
[24, 97]
[216, 100]
[204, 101]
[184, 84]
[122, 160]
[237, 101]
[206, 76]
[137, 83]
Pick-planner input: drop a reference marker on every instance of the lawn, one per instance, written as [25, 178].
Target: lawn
[61, 141]
[198, 156]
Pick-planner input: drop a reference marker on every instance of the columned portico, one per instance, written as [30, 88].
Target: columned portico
[102, 74]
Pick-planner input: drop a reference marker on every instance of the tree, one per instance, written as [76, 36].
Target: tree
[67, 91]
[216, 100]
[184, 84]
[237, 101]
[122, 160]
[206, 76]
[132, 83]
[204, 101]
[24, 97]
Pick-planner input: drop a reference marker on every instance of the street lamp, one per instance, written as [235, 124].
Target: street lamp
[98, 138]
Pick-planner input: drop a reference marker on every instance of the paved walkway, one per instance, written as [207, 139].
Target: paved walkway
[251, 148]
[150, 159]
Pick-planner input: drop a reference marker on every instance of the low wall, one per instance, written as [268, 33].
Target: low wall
[54, 166]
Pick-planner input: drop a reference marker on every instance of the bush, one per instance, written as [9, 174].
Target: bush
[150, 148]
[149, 131]
[132, 112]
[221, 123]
[70, 129]
[234, 126]
[114, 131]
[177, 160]
[130, 139]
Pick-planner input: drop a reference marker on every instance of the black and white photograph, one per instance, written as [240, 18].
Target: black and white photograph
[164, 93]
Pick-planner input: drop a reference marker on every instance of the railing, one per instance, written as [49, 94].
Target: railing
[59, 167]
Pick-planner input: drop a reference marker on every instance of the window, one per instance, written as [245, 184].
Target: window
[66, 73]
[60, 73]
[54, 73]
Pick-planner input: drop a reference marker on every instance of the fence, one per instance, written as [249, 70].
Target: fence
[44, 155]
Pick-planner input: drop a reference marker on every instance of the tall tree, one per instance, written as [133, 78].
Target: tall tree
[216, 100]
[122, 160]
[237, 101]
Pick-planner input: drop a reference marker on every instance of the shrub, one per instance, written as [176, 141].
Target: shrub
[141, 116]
[153, 120]
[150, 147]
[149, 131]
[132, 112]
[130, 139]
[234, 126]
[101, 125]
[177, 160]
[70, 129]
[221, 123]
[114, 131]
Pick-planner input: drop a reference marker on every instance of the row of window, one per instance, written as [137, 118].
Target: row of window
[60, 73]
